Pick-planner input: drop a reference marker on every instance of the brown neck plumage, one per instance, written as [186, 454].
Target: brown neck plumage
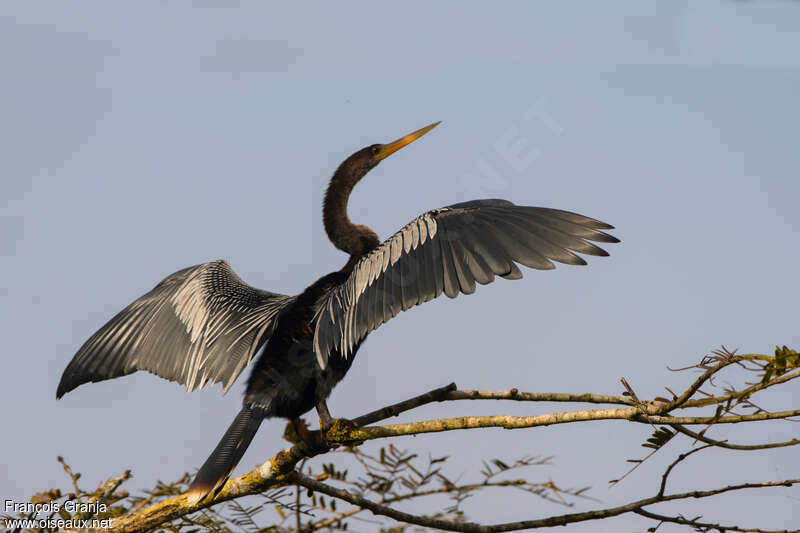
[355, 239]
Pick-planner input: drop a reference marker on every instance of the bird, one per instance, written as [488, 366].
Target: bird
[204, 324]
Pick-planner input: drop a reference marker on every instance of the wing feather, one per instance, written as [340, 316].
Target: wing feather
[447, 251]
[466, 282]
[200, 324]
[451, 286]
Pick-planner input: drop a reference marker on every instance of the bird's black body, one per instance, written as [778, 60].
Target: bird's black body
[286, 380]
[204, 324]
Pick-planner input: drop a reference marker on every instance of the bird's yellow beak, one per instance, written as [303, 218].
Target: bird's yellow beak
[388, 149]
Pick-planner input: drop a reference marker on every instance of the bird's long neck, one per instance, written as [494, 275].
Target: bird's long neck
[334, 210]
[354, 239]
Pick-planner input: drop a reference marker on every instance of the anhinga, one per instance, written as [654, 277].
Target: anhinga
[204, 324]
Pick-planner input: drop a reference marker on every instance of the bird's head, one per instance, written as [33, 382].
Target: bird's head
[368, 158]
[357, 239]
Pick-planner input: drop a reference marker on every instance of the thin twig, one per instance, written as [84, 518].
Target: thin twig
[518, 396]
[298, 522]
[735, 395]
[674, 463]
[694, 387]
[449, 393]
[435, 395]
[725, 444]
[73, 476]
[419, 494]
[697, 524]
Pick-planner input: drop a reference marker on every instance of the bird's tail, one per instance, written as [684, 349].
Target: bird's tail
[226, 455]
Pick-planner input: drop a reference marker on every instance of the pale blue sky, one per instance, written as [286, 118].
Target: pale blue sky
[139, 139]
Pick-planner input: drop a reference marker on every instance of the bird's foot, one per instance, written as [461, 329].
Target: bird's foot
[335, 431]
[325, 418]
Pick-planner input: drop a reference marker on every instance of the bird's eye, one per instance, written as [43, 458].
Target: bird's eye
[376, 149]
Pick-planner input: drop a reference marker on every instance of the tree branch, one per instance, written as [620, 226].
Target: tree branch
[279, 470]
[273, 472]
[344, 434]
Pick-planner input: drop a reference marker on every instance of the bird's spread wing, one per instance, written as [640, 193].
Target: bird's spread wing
[448, 250]
[202, 323]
